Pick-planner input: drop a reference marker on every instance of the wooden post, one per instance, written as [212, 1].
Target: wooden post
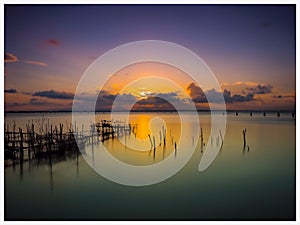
[201, 138]
[244, 136]
[154, 148]
[150, 141]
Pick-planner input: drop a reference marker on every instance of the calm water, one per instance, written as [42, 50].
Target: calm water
[255, 184]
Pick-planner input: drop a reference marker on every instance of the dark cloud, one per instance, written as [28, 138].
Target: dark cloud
[26, 93]
[214, 96]
[53, 42]
[35, 101]
[157, 101]
[243, 98]
[153, 103]
[196, 93]
[198, 96]
[261, 89]
[171, 97]
[54, 94]
[284, 96]
[8, 57]
[10, 91]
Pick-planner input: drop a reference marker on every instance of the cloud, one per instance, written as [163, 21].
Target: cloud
[52, 42]
[10, 91]
[243, 98]
[196, 93]
[284, 96]
[54, 94]
[198, 96]
[261, 89]
[153, 103]
[8, 57]
[35, 101]
[35, 62]
[26, 93]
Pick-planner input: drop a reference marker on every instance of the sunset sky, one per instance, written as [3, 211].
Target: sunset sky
[250, 49]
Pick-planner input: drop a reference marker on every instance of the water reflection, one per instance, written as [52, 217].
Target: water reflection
[63, 186]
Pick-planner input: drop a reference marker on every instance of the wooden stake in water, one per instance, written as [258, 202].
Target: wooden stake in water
[244, 137]
[150, 141]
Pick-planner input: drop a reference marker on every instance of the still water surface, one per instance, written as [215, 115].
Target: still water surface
[256, 183]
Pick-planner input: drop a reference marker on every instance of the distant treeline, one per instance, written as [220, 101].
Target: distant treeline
[163, 111]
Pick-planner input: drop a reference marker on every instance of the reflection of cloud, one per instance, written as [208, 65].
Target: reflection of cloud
[10, 58]
[53, 42]
[54, 94]
[10, 91]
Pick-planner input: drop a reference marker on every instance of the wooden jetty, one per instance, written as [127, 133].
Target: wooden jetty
[20, 144]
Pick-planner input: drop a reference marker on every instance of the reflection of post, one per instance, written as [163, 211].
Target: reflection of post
[164, 135]
[221, 139]
[51, 174]
[164, 151]
[93, 157]
[77, 163]
[159, 138]
[21, 168]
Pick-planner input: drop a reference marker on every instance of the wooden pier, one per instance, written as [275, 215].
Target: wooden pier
[26, 144]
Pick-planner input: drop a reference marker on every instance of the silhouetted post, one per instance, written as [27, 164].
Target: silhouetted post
[175, 149]
[250, 113]
[201, 138]
[244, 136]
[264, 114]
[236, 113]
[293, 115]
[150, 141]
[278, 114]
[154, 147]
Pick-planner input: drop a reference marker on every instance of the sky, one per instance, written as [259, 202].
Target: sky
[249, 48]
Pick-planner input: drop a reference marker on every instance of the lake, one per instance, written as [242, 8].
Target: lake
[252, 183]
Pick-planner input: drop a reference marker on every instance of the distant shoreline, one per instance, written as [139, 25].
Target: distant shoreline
[157, 111]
